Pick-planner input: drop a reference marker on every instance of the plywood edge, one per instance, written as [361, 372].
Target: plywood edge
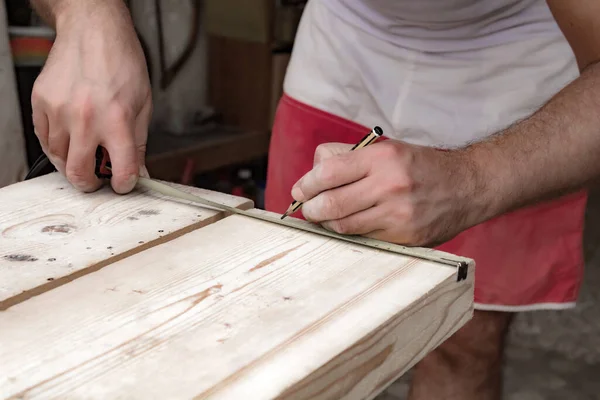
[372, 363]
[5, 304]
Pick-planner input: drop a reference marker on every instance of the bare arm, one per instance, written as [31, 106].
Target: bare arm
[557, 149]
[51, 10]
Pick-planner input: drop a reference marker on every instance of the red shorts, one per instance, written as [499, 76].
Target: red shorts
[528, 259]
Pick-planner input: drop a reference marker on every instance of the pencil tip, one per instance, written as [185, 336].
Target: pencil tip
[284, 215]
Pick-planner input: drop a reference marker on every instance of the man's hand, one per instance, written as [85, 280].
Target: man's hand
[94, 90]
[391, 191]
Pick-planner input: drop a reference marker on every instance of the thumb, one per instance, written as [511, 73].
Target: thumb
[328, 150]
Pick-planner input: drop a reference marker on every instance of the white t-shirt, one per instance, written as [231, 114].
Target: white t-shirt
[446, 25]
[432, 72]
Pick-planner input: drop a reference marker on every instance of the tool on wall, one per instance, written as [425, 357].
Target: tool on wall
[175, 42]
[168, 74]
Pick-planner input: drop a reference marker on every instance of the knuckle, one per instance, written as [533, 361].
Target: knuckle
[118, 113]
[406, 213]
[37, 95]
[342, 227]
[59, 108]
[387, 150]
[330, 205]
[54, 149]
[402, 183]
[326, 172]
[76, 174]
[84, 109]
[41, 133]
[321, 153]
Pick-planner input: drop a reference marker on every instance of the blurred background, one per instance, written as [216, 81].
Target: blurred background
[217, 68]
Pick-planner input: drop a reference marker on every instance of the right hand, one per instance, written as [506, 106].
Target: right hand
[94, 90]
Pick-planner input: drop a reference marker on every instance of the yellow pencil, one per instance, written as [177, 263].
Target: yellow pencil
[367, 140]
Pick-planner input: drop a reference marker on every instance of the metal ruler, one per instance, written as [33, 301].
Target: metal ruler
[460, 263]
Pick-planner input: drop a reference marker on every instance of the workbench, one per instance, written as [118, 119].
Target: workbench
[143, 296]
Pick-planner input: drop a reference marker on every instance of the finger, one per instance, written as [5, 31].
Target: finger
[41, 128]
[40, 125]
[120, 143]
[402, 238]
[58, 144]
[343, 201]
[365, 222]
[330, 173]
[81, 163]
[328, 150]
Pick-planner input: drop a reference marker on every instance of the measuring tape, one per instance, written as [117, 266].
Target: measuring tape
[461, 263]
[104, 170]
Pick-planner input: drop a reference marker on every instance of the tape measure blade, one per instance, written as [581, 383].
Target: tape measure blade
[417, 252]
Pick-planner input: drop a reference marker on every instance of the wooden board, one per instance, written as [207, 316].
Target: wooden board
[50, 233]
[238, 309]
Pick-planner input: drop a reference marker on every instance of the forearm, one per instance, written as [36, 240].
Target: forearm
[53, 12]
[553, 152]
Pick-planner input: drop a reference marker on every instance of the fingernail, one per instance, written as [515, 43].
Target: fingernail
[131, 181]
[125, 186]
[144, 172]
[297, 194]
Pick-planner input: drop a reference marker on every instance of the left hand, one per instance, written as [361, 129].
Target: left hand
[392, 191]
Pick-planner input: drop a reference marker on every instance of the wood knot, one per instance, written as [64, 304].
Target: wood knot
[20, 257]
[62, 229]
[149, 212]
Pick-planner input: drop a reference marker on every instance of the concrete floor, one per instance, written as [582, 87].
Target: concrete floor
[554, 355]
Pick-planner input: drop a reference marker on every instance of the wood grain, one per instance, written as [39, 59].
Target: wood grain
[241, 308]
[51, 234]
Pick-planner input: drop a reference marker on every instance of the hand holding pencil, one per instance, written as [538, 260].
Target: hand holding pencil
[394, 191]
[365, 141]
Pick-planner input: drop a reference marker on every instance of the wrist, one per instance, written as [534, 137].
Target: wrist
[68, 14]
[476, 188]
[485, 186]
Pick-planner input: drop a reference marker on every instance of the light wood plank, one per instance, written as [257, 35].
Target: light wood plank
[240, 309]
[51, 233]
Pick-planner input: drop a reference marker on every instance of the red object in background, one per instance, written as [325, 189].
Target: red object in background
[238, 191]
[188, 172]
[30, 46]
